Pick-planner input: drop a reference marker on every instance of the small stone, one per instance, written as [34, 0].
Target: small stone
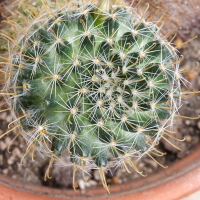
[188, 138]
[93, 183]
[81, 184]
[9, 118]
[14, 176]
[96, 175]
[115, 180]
[7, 140]
[149, 170]
[198, 124]
[141, 165]
[178, 42]
[11, 160]
[152, 163]
[187, 122]
[3, 145]
[136, 175]
[16, 152]
[90, 183]
[123, 170]
[1, 160]
[5, 171]
[3, 115]
[191, 75]
[19, 166]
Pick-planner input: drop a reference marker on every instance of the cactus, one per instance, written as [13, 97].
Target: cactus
[92, 82]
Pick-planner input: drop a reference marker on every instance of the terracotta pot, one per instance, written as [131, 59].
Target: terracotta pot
[181, 179]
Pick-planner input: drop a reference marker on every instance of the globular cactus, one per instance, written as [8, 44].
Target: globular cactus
[92, 82]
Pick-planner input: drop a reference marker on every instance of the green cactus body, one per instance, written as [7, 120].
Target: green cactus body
[92, 84]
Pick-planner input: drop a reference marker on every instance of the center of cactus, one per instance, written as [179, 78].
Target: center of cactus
[93, 83]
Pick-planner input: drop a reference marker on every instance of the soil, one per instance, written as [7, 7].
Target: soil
[33, 172]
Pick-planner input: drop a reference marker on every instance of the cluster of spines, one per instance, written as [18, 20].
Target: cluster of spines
[93, 82]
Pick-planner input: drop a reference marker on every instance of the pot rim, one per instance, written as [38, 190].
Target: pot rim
[181, 179]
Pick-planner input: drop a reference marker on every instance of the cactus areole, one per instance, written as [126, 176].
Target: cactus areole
[96, 83]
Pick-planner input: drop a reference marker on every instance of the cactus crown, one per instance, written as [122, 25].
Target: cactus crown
[92, 82]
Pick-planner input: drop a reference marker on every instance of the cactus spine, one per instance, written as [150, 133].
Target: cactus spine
[92, 82]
